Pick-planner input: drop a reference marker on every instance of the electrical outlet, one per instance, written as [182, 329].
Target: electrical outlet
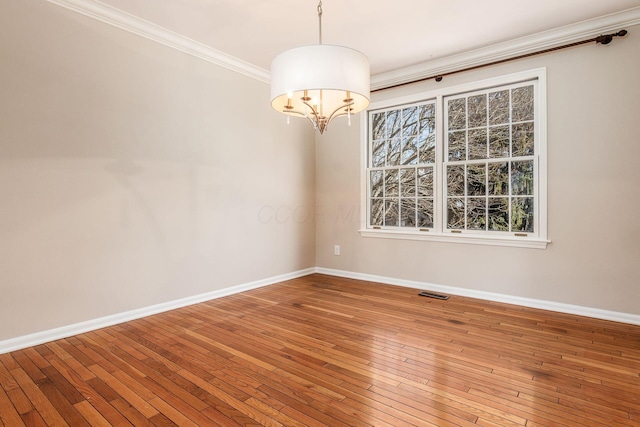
[336, 250]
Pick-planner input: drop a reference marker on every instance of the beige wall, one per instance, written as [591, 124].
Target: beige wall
[593, 193]
[132, 174]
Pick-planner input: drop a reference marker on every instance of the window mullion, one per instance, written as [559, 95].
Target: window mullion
[439, 178]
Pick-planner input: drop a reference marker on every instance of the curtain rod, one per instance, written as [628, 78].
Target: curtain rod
[602, 39]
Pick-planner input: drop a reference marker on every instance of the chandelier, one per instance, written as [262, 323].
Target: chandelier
[320, 82]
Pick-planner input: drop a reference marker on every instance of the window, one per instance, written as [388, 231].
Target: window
[401, 174]
[466, 164]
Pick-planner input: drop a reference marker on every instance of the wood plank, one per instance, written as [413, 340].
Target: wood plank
[39, 400]
[124, 393]
[20, 401]
[9, 414]
[172, 413]
[33, 419]
[132, 414]
[90, 394]
[91, 414]
[7, 382]
[8, 361]
[65, 388]
[60, 403]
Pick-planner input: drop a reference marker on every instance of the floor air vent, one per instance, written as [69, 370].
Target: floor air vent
[432, 295]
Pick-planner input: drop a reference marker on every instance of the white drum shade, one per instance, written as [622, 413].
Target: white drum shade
[334, 70]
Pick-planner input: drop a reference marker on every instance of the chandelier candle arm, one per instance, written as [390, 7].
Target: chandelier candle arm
[320, 82]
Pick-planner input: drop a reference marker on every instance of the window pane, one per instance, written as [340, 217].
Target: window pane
[499, 141]
[376, 184]
[425, 213]
[455, 180]
[477, 144]
[522, 144]
[391, 183]
[428, 125]
[499, 107]
[522, 99]
[476, 180]
[393, 152]
[457, 113]
[476, 213]
[477, 110]
[498, 214]
[427, 113]
[410, 121]
[378, 126]
[391, 213]
[427, 138]
[407, 182]
[379, 155]
[499, 179]
[377, 212]
[425, 182]
[455, 213]
[522, 178]
[394, 122]
[407, 212]
[427, 147]
[457, 146]
[409, 150]
[522, 214]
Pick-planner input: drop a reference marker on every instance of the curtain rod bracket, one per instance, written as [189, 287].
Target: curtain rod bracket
[607, 38]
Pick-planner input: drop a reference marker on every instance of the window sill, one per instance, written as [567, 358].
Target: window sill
[518, 242]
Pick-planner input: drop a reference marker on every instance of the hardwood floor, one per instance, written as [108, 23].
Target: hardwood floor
[327, 351]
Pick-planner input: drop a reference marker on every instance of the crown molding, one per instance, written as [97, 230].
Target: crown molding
[112, 16]
[520, 46]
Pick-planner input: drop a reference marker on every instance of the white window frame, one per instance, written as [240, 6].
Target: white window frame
[439, 233]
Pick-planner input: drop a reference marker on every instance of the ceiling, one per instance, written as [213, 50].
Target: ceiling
[393, 34]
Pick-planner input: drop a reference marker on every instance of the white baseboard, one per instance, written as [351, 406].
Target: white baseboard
[90, 325]
[596, 313]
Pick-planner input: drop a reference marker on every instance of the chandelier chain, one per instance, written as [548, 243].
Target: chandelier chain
[320, 22]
